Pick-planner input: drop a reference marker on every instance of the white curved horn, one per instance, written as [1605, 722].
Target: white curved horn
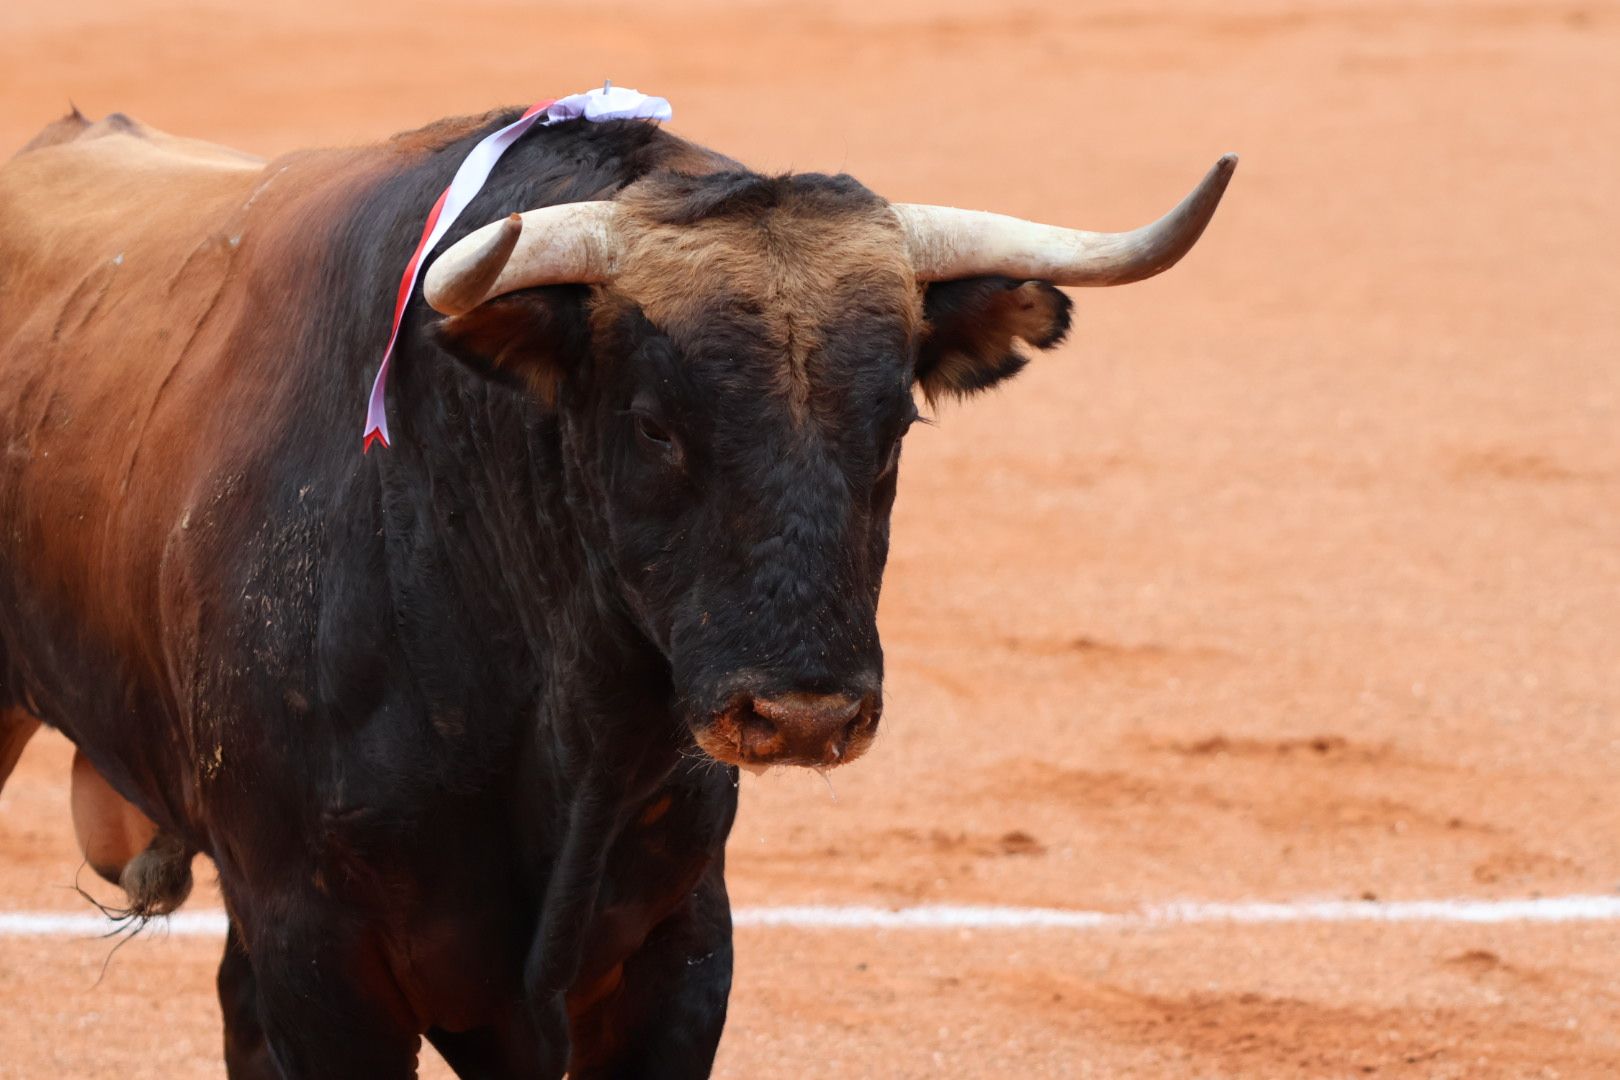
[947, 243]
[570, 244]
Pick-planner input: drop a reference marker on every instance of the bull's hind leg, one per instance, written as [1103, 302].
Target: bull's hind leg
[16, 728]
[507, 1050]
[327, 1000]
[660, 1015]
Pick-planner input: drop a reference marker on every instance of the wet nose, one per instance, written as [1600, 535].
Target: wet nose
[808, 729]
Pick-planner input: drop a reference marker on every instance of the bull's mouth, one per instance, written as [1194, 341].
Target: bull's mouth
[812, 730]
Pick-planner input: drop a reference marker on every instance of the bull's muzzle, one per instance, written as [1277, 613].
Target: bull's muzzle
[817, 730]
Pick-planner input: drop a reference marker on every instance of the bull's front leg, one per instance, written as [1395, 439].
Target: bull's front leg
[247, 1055]
[659, 1013]
[324, 998]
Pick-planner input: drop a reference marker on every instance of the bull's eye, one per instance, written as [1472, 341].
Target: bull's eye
[891, 460]
[651, 431]
[655, 439]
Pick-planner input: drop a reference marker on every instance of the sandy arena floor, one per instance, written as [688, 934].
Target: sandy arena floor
[1295, 575]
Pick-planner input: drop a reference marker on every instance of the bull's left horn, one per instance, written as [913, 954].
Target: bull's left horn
[947, 243]
[571, 244]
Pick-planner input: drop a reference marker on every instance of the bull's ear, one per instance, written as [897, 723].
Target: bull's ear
[523, 339]
[973, 325]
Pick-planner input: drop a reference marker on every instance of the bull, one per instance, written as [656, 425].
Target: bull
[458, 723]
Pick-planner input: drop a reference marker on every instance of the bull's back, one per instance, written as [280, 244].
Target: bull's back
[117, 251]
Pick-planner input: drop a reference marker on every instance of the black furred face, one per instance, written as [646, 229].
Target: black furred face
[750, 532]
[736, 403]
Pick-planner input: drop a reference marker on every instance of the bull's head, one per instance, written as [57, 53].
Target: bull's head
[735, 388]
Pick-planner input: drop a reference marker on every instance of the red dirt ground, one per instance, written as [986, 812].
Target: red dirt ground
[1297, 574]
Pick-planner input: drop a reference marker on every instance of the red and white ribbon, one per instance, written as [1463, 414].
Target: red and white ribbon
[608, 103]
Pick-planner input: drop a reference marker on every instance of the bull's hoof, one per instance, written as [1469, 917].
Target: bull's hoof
[158, 880]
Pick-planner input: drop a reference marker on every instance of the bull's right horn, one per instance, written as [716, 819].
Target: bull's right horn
[570, 244]
[946, 243]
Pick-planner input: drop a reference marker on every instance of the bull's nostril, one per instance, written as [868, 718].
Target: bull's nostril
[758, 734]
[807, 709]
[860, 727]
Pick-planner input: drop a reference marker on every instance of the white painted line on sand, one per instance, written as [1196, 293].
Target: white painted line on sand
[1543, 909]
[975, 917]
[68, 924]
